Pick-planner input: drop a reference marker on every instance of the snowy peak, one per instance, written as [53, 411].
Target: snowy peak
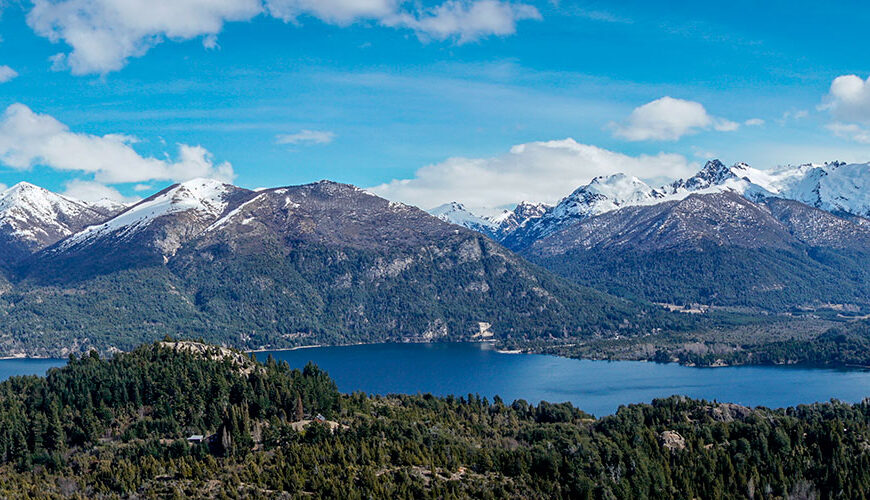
[107, 207]
[456, 213]
[604, 194]
[835, 187]
[714, 173]
[32, 218]
[201, 201]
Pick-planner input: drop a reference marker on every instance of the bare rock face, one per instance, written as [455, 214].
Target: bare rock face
[672, 441]
[721, 219]
[729, 412]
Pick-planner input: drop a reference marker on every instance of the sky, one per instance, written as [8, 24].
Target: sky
[487, 102]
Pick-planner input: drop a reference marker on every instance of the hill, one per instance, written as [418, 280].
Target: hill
[195, 421]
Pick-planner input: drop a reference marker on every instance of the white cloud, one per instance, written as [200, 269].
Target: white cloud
[105, 34]
[91, 191]
[848, 102]
[306, 137]
[7, 73]
[851, 131]
[341, 12]
[754, 122]
[468, 21]
[668, 119]
[537, 171]
[848, 99]
[28, 139]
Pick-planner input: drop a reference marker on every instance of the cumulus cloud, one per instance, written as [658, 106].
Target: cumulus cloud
[537, 171]
[754, 122]
[668, 119]
[105, 34]
[7, 73]
[92, 191]
[848, 99]
[306, 137]
[28, 139]
[468, 21]
[848, 102]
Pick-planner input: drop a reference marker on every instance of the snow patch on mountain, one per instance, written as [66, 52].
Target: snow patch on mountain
[38, 215]
[205, 197]
[456, 213]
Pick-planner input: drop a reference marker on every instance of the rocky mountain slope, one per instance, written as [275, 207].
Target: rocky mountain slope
[320, 263]
[835, 187]
[719, 249]
[32, 218]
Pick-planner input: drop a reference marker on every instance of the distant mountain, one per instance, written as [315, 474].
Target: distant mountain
[456, 213]
[312, 264]
[524, 213]
[716, 248]
[149, 232]
[106, 207]
[32, 218]
[720, 219]
[601, 195]
[841, 189]
[495, 226]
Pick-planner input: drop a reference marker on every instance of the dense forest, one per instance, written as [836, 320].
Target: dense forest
[770, 279]
[313, 295]
[113, 428]
[843, 345]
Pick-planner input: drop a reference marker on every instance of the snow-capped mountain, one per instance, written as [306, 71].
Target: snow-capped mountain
[603, 194]
[716, 248]
[287, 265]
[166, 219]
[456, 213]
[107, 207]
[32, 218]
[835, 187]
[495, 226]
[510, 220]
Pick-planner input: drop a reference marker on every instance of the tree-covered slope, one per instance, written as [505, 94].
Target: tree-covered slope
[118, 428]
[314, 264]
[717, 249]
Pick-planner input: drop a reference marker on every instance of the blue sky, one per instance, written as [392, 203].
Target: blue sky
[368, 95]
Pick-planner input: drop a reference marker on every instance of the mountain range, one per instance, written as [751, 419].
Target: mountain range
[297, 265]
[329, 263]
[730, 236]
[842, 189]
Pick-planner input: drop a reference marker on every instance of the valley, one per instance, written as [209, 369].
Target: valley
[609, 273]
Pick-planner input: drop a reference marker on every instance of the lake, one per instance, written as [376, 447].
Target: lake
[13, 367]
[598, 387]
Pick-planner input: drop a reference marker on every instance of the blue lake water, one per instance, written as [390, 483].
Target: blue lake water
[598, 387]
[13, 367]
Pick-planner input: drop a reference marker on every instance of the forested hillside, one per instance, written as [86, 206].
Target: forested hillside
[323, 263]
[108, 428]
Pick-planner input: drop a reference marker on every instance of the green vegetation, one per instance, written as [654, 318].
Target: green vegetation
[844, 345]
[775, 280]
[117, 428]
[312, 295]
[774, 340]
